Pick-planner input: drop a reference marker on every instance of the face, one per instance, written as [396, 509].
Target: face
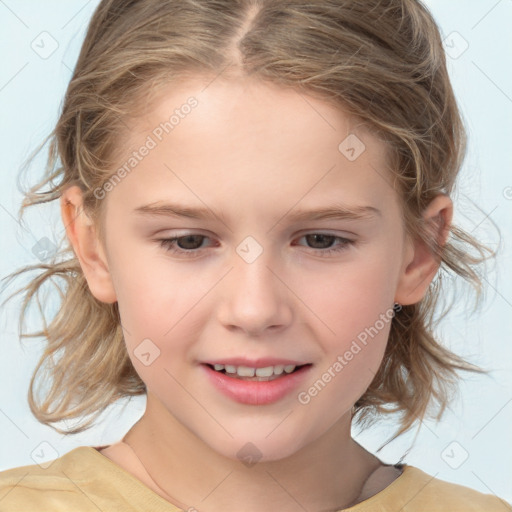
[250, 283]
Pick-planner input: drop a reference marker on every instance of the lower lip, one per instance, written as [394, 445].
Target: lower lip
[256, 392]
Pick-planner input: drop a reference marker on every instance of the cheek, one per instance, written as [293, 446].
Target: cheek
[160, 302]
[351, 296]
[148, 285]
[147, 300]
[354, 309]
[344, 376]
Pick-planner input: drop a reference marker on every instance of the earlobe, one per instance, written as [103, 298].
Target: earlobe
[88, 249]
[420, 265]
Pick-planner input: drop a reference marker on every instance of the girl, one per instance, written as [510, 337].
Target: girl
[256, 196]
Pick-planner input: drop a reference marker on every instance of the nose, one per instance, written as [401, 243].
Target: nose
[255, 298]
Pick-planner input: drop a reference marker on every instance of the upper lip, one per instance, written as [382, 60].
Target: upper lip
[262, 362]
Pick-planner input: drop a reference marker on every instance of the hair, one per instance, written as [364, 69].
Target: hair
[379, 61]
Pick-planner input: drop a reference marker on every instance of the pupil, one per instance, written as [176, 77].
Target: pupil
[188, 239]
[330, 238]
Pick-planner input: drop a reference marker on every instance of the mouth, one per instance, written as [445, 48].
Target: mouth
[266, 382]
[265, 374]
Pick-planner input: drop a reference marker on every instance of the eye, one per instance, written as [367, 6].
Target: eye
[190, 245]
[187, 245]
[324, 239]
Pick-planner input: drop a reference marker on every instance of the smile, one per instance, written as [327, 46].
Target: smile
[256, 386]
[246, 371]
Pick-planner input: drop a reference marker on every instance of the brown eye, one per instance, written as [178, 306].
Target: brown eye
[321, 240]
[322, 243]
[187, 245]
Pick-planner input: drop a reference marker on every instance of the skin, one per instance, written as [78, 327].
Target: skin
[255, 153]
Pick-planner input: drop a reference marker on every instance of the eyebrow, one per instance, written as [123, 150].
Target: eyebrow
[334, 212]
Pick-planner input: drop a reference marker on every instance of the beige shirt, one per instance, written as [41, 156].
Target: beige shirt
[84, 480]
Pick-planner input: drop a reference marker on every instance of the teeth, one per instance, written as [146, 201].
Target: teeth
[278, 369]
[246, 371]
[265, 372]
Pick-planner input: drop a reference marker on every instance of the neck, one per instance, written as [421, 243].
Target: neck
[189, 474]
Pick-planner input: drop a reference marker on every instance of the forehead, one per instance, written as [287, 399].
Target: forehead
[245, 137]
[242, 106]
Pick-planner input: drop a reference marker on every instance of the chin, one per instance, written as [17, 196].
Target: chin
[250, 450]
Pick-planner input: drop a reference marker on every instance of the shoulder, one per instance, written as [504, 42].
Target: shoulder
[417, 491]
[52, 483]
[82, 480]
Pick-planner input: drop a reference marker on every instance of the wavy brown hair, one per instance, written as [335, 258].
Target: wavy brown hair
[381, 61]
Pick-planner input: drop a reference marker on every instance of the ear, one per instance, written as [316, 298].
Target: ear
[88, 249]
[420, 265]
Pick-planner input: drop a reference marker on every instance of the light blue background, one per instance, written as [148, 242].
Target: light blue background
[31, 91]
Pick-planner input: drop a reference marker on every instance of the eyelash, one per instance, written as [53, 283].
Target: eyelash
[169, 245]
